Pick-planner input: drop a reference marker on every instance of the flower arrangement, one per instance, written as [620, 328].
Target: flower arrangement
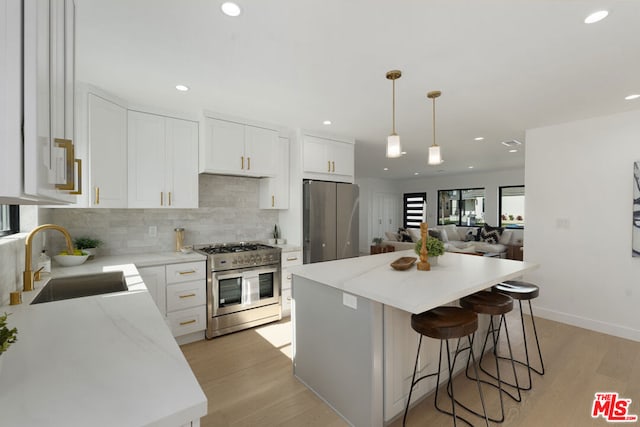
[7, 336]
[435, 247]
[377, 241]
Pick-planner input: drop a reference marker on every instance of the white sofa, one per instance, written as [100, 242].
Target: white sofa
[455, 240]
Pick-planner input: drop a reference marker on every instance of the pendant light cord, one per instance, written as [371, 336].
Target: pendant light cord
[434, 121]
[393, 108]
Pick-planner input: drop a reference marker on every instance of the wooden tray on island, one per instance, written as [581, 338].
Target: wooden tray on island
[403, 263]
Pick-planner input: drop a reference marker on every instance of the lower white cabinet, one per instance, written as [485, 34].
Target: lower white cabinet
[179, 291]
[289, 258]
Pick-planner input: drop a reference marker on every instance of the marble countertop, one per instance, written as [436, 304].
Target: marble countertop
[104, 360]
[372, 277]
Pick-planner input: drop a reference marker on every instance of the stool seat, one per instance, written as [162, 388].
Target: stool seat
[485, 302]
[517, 289]
[445, 322]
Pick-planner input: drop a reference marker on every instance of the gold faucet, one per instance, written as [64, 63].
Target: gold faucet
[28, 274]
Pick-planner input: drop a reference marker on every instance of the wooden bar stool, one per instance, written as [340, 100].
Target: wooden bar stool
[445, 323]
[524, 291]
[493, 304]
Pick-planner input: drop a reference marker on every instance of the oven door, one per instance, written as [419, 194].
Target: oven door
[238, 290]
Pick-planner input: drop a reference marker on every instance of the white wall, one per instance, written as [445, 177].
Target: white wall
[579, 222]
[490, 181]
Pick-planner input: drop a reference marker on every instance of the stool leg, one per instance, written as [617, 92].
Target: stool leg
[535, 332]
[413, 380]
[484, 408]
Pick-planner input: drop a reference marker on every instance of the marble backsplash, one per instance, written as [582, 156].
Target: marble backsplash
[228, 212]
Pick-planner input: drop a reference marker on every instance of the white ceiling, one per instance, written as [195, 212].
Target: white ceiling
[503, 67]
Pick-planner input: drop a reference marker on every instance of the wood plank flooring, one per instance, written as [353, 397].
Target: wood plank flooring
[248, 380]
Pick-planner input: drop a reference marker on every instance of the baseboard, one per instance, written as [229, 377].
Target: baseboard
[586, 323]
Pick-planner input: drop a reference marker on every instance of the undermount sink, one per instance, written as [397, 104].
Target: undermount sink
[82, 286]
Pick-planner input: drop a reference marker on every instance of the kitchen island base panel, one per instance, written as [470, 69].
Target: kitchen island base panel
[338, 351]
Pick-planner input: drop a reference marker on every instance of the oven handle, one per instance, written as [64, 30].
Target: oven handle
[243, 271]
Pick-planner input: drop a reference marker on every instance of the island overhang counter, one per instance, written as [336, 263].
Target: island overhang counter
[353, 344]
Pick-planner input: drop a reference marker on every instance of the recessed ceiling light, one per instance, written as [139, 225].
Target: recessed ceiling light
[416, 173]
[182, 88]
[512, 143]
[403, 153]
[480, 138]
[230, 9]
[326, 122]
[513, 151]
[470, 167]
[386, 169]
[596, 16]
[630, 97]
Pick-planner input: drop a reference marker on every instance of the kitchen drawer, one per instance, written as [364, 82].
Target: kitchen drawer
[286, 302]
[286, 279]
[186, 271]
[186, 295]
[291, 258]
[184, 322]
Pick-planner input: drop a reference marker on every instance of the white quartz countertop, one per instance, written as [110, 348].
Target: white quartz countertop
[105, 360]
[372, 277]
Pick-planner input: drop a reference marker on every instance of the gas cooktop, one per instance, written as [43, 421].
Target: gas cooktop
[226, 248]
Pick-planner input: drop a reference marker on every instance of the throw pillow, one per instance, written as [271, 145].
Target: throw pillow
[452, 232]
[490, 234]
[435, 233]
[404, 235]
[415, 234]
[506, 237]
[470, 236]
[391, 236]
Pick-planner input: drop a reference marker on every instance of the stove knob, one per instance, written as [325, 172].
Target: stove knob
[252, 259]
[258, 258]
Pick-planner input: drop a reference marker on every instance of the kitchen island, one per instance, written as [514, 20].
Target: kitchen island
[353, 344]
[104, 360]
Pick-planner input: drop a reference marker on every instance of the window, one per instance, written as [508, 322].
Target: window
[9, 219]
[413, 206]
[511, 207]
[461, 207]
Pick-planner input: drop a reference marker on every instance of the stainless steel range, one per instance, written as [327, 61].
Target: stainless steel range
[243, 286]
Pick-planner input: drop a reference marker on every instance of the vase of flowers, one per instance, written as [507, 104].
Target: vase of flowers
[435, 248]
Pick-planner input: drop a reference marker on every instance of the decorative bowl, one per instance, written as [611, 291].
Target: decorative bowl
[403, 263]
[70, 260]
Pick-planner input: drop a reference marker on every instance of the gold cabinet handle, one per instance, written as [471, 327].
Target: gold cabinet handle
[67, 144]
[79, 163]
[248, 163]
[328, 166]
[241, 162]
[273, 200]
[186, 296]
[333, 166]
[182, 273]
[293, 258]
[169, 198]
[161, 198]
[188, 322]
[97, 195]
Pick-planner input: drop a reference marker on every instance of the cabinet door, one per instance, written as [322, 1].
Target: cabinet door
[146, 162]
[155, 280]
[341, 156]
[223, 147]
[182, 163]
[274, 192]
[107, 138]
[261, 151]
[315, 155]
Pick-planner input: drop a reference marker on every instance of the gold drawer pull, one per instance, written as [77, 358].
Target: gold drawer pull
[273, 201]
[161, 198]
[241, 162]
[79, 163]
[188, 322]
[333, 166]
[248, 163]
[97, 195]
[328, 165]
[187, 296]
[169, 198]
[182, 273]
[293, 258]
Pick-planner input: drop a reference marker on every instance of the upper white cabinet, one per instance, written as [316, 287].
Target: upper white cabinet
[107, 152]
[327, 158]
[234, 148]
[37, 75]
[274, 192]
[163, 161]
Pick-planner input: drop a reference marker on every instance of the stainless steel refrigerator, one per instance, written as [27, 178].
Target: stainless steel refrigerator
[330, 221]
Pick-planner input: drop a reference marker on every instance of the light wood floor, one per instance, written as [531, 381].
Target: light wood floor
[248, 380]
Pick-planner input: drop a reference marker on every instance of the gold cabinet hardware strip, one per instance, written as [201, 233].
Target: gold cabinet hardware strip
[97, 195]
[169, 198]
[328, 165]
[186, 296]
[248, 163]
[79, 163]
[333, 166]
[161, 198]
[188, 322]
[242, 162]
[273, 200]
[67, 144]
[293, 258]
[186, 272]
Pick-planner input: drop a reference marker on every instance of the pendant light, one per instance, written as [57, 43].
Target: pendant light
[393, 140]
[435, 158]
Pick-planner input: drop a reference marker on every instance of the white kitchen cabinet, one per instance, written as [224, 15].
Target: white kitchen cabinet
[328, 159]
[235, 148]
[179, 291]
[162, 161]
[107, 152]
[289, 259]
[154, 279]
[37, 74]
[274, 192]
